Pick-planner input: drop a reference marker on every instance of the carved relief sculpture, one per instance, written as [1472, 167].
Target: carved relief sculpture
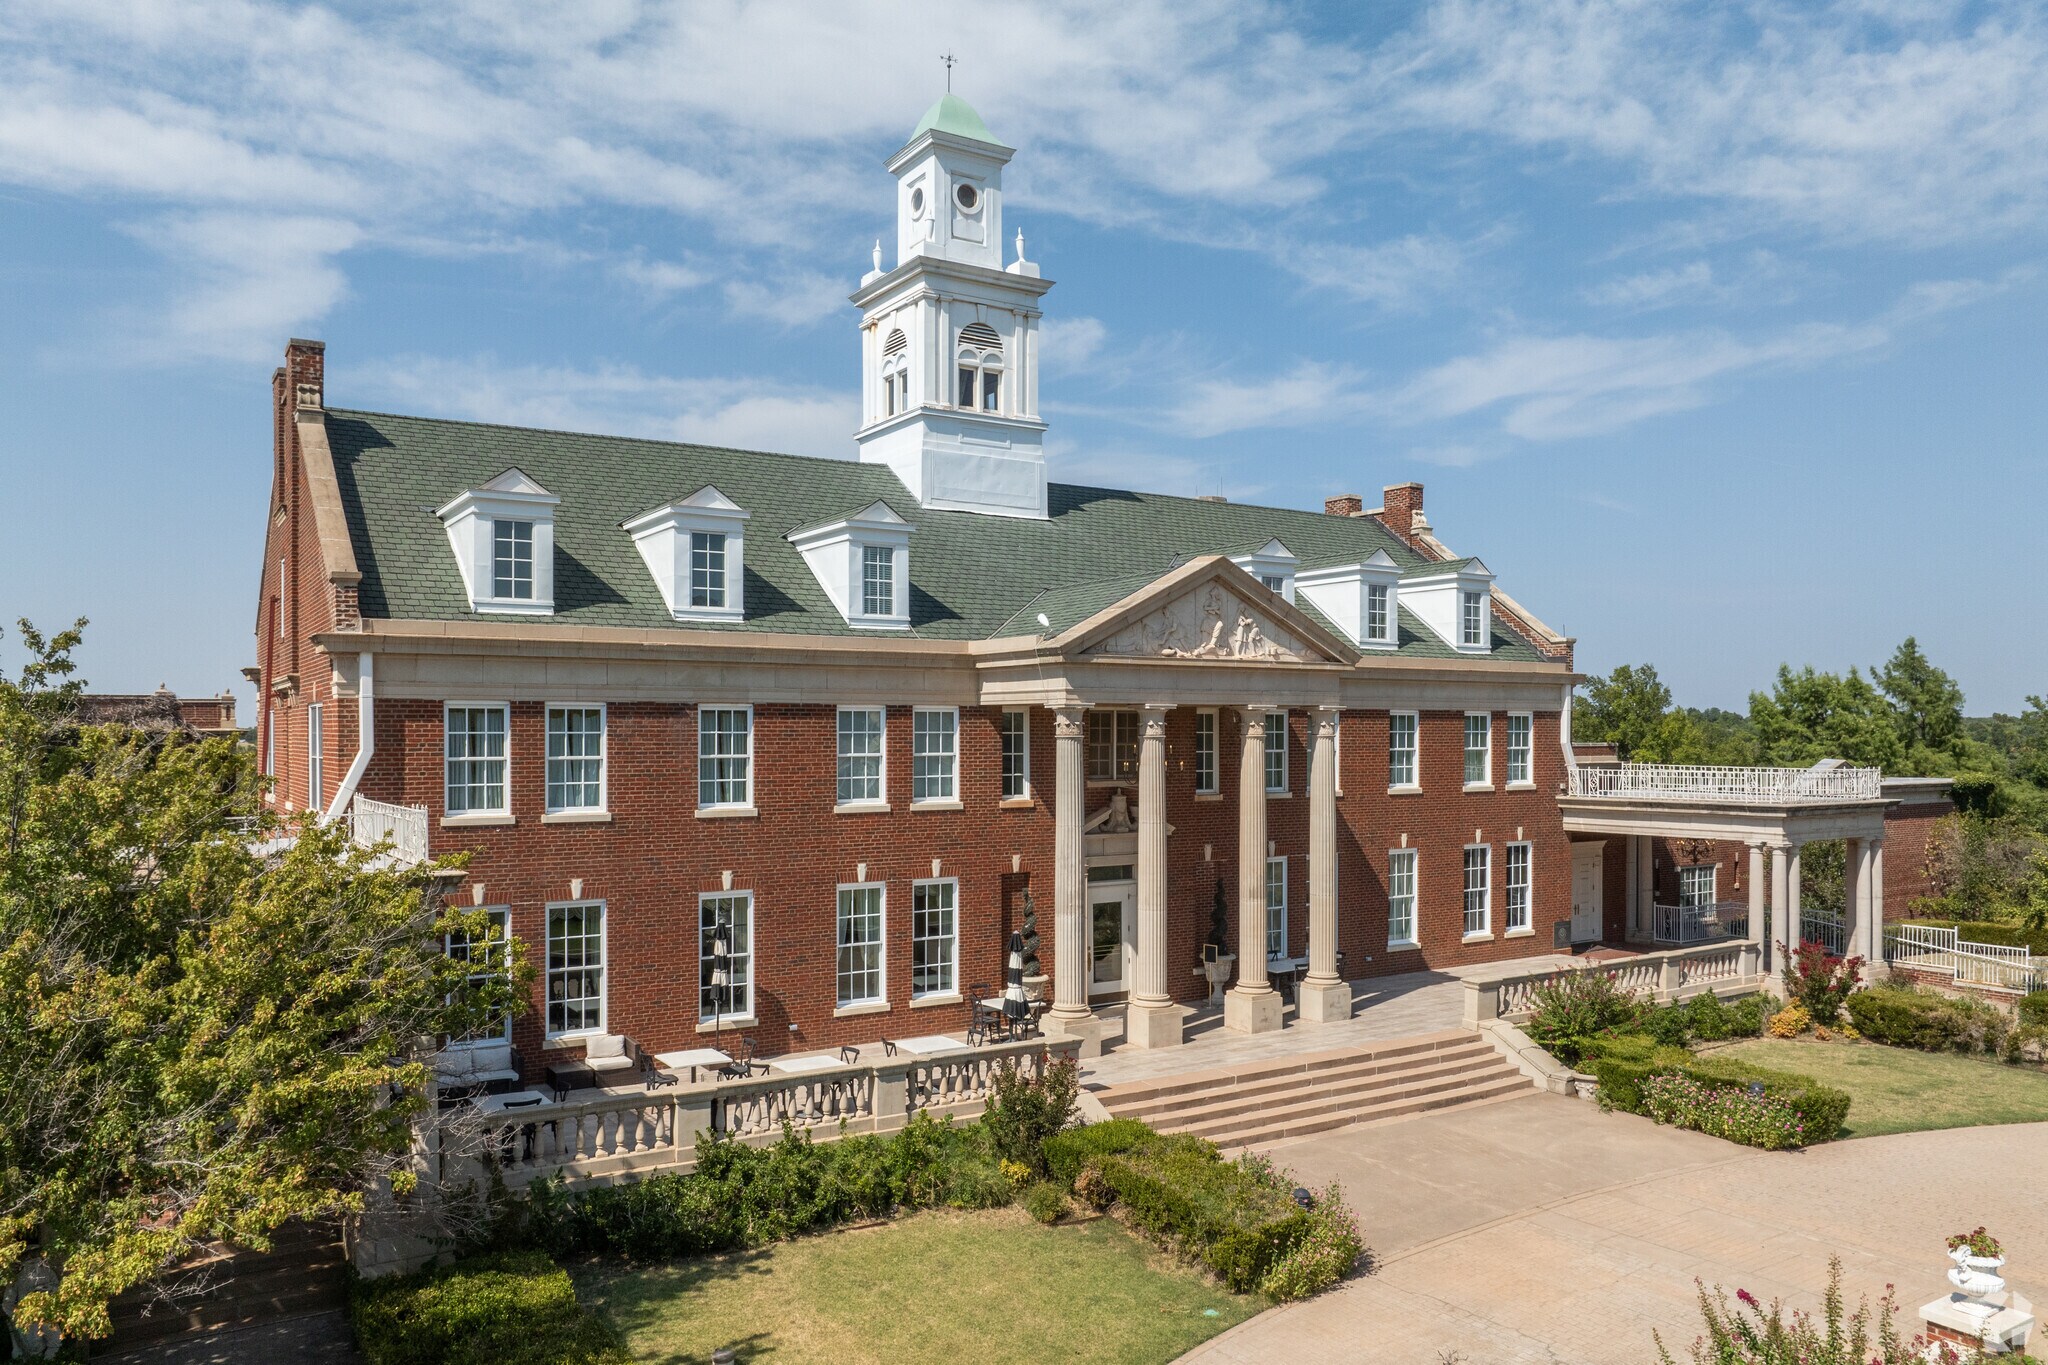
[1223, 627]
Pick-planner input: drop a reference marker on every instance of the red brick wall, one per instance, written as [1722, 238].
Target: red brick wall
[1906, 832]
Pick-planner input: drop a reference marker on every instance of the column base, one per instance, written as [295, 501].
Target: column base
[1324, 1002]
[1153, 1025]
[1089, 1028]
[1252, 1011]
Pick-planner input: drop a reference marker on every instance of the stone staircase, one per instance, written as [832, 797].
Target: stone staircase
[1255, 1103]
[303, 1272]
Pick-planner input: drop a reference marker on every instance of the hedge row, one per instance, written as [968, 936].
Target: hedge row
[512, 1309]
[1621, 1066]
[1907, 1016]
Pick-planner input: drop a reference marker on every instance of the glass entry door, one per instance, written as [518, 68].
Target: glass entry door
[1112, 936]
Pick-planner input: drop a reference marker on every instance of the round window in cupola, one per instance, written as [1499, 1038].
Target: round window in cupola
[967, 197]
[917, 202]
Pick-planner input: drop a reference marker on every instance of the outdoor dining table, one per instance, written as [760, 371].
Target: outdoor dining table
[516, 1099]
[929, 1044]
[515, 1140]
[692, 1058]
[798, 1065]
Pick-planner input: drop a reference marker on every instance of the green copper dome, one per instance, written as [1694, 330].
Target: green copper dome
[956, 116]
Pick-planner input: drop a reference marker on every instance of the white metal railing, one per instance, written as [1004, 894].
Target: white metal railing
[1824, 928]
[1702, 782]
[405, 826]
[1731, 966]
[1689, 924]
[1931, 948]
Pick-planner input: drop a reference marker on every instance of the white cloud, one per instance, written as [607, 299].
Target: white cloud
[1398, 275]
[1655, 288]
[800, 299]
[659, 279]
[252, 279]
[1152, 471]
[1067, 345]
[1309, 394]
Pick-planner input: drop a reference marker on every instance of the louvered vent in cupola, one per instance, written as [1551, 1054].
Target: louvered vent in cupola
[897, 343]
[982, 335]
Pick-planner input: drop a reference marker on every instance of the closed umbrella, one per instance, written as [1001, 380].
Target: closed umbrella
[721, 964]
[1015, 1006]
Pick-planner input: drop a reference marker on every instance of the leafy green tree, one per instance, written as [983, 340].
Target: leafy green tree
[1628, 708]
[1808, 716]
[211, 1022]
[1927, 705]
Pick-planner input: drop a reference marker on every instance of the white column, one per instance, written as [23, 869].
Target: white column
[1873, 896]
[1795, 933]
[1152, 1020]
[1854, 916]
[1070, 943]
[1638, 918]
[1325, 997]
[1252, 1006]
[1757, 903]
[1646, 888]
[1776, 937]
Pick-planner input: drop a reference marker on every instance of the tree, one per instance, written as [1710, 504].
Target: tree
[1927, 705]
[1627, 708]
[211, 1022]
[1808, 716]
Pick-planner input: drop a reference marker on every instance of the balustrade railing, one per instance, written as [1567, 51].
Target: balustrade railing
[1704, 782]
[371, 822]
[1732, 965]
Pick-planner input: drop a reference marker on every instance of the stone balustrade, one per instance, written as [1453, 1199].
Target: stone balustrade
[1729, 968]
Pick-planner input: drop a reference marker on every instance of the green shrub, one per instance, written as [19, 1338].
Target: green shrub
[1066, 1153]
[1577, 1007]
[1746, 1016]
[1818, 981]
[1023, 1111]
[512, 1309]
[2033, 1008]
[1907, 1016]
[1708, 1018]
[1624, 1065]
[1752, 1117]
[1668, 1024]
[1046, 1202]
[1326, 1253]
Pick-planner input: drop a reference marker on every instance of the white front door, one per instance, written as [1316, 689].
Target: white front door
[1112, 935]
[1589, 916]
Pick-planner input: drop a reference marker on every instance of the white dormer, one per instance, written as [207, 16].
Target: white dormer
[696, 548]
[1273, 564]
[1455, 600]
[1364, 599]
[503, 535]
[863, 564]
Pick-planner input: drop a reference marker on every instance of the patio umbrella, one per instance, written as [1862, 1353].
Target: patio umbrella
[1015, 1006]
[721, 964]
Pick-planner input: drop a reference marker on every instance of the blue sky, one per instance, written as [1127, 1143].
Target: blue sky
[1717, 330]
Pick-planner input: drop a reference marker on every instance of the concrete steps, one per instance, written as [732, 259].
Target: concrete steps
[304, 1272]
[1288, 1097]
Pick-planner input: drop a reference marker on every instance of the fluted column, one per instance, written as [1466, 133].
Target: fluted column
[1325, 996]
[1854, 916]
[1779, 872]
[1758, 881]
[1152, 1020]
[1873, 897]
[1795, 932]
[1252, 1006]
[1070, 941]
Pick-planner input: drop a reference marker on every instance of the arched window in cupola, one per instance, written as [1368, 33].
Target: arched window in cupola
[895, 373]
[980, 362]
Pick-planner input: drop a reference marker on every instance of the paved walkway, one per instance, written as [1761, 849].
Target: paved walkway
[1542, 1230]
[315, 1339]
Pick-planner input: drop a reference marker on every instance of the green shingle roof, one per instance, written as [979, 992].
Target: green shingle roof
[971, 577]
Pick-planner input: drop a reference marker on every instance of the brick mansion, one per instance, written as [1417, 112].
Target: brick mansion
[856, 722]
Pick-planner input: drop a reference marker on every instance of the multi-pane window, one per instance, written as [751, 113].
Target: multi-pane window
[877, 580]
[576, 968]
[1274, 583]
[1696, 886]
[725, 921]
[1112, 746]
[1276, 907]
[1478, 889]
[707, 568]
[934, 753]
[1016, 757]
[269, 743]
[486, 960]
[1276, 752]
[1478, 749]
[1471, 619]
[1516, 885]
[860, 754]
[934, 938]
[725, 756]
[1401, 896]
[476, 759]
[1378, 621]
[1401, 771]
[1206, 780]
[512, 559]
[575, 758]
[316, 755]
[1519, 727]
[860, 945]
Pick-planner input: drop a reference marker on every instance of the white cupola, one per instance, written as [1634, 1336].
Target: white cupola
[949, 336]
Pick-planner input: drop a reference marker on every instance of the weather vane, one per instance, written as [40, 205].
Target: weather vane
[949, 59]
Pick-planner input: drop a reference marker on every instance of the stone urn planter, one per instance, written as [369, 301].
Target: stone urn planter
[1034, 986]
[1218, 973]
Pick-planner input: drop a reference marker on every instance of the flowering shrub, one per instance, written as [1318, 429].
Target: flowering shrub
[1750, 1115]
[1980, 1243]
[1755, 1335]
[1323, 1256]
[1819, 980]
[1789, 1022]
[1577, 1007]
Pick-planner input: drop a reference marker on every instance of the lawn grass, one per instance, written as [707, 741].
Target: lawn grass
[1898, 1090]
[940, 1288]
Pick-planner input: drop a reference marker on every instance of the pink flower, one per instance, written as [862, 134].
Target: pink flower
[1748, 1298]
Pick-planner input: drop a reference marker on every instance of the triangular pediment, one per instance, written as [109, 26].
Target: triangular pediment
[514, 480]
[1208, 610]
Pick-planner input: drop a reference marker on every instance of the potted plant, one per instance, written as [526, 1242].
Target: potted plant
[1978, 1250]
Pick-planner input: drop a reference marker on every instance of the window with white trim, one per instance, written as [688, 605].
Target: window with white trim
[1478, 889]
[575, 980]
[475, 749]
[487, 962]
[877, 580]
[1478, 749]
[512, 559]
[861, 748]
[934, 753]
[1696, 886]
[895, 374]
[575, 776]
[1207, 782]
[980, 367]
[1276, 907]
[1379, 621]
[1401, 749]
[1112, 745]
[731, 915]
[707, 569]
[725, 756]
[860, 944]
[316, 754]
[1276, 753]
[1521, 729]
[1472, 619]
[1401, 897]
[934, 938]
[1515, 886]
[1016, 754]
[269, 741]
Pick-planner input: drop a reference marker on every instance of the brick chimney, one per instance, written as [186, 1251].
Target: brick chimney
[305, 373]
[1401, 509]
[1344, 505]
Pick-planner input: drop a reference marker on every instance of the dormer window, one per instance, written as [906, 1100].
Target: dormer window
[1454, 599]
[863, 564]
[1471, 620]
[980, 367]
[696, 549]
[1379, 612]
[1273, 564]
[503, 536]
[1363, 599]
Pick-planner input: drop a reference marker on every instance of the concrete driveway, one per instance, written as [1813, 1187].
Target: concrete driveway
[1542, 1230]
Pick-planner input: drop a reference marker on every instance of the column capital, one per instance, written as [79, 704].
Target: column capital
[1154, 714]
[1255, 717]
[1326, 720]
[1066, 719]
